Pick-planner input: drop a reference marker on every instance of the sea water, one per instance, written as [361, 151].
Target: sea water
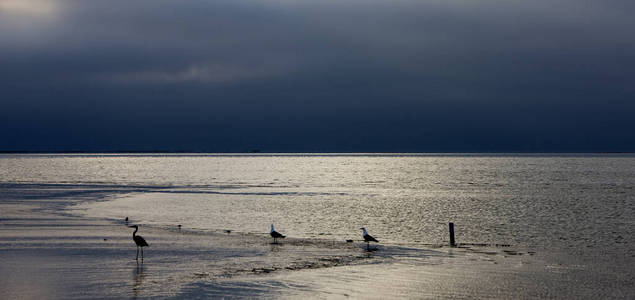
[579, 208]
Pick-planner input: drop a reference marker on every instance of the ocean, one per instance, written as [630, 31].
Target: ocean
[575, 210]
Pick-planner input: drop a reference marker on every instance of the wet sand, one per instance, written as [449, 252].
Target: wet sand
[47, 252]
[66, 257]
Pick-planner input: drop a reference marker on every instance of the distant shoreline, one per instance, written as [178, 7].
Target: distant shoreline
[258, 153]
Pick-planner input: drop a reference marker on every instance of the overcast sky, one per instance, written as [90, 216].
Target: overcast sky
[319, 75]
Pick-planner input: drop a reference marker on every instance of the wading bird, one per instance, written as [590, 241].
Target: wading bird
[275, 235]
[368, 238]
[139, 241]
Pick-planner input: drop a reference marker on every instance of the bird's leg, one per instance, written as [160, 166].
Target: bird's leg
[141, 253]
[137, 258]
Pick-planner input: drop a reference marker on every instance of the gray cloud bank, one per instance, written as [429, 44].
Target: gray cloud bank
[317, 75]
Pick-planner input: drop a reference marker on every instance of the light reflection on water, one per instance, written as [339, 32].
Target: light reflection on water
[138, 277]
[578, 204]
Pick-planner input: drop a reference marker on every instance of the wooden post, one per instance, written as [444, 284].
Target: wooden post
[452, 242]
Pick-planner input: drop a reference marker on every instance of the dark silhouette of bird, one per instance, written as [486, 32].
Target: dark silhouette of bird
[368, 238]
[275, 235]
[140, 241]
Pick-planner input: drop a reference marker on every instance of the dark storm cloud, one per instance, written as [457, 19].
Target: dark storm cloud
[317, 75]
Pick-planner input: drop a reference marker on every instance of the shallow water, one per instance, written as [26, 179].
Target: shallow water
[569, 202]
[574, 211]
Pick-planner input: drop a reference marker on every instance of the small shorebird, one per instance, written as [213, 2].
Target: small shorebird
[275, 235]
[140, 241]
[368, 238]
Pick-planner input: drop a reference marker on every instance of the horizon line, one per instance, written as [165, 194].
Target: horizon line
[252, 152]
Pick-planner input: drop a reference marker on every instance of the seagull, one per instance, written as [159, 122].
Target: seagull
[275, 235]
[139, 241]
[368, 238]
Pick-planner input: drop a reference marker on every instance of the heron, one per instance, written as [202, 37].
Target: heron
[140, 241]
[275, 235]
[368, 238]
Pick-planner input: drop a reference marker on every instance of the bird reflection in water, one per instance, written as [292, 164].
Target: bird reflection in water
[137, 279]
[368, 253]
[274, 247]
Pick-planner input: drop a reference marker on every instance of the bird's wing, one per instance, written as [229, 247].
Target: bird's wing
[276, 234]
[141, 241]
[371, 238]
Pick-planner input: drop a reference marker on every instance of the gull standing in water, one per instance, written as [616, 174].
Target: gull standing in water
[141, 242]
[368, 238]
[275, 235]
